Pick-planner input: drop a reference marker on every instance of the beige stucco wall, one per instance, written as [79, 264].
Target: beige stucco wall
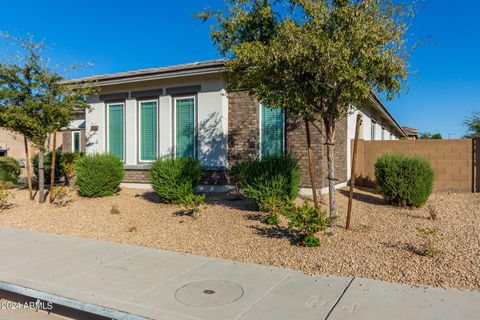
[15, 144]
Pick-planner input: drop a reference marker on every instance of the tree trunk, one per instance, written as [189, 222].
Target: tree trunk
[54, 159]
[27, 168]
[41, 177]
[330, 142]
[311, 165]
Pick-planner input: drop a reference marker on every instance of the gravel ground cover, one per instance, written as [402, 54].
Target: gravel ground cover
[382, 244]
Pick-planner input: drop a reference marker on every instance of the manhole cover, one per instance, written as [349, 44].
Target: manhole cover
[209, 293]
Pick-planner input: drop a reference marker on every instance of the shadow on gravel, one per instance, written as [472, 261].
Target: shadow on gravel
[230, 201]
[366, 198]
[276, 232]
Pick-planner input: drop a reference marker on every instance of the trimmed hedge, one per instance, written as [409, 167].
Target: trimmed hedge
[174, 180]
[99, 175]
[9, 169]
[269, 182]
[404, 180]
[47, 166]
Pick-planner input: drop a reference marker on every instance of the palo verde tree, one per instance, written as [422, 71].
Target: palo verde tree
[314, 58]
[35, 100]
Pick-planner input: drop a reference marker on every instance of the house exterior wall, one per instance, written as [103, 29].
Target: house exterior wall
[67, 140]
[15, 143]
[211, 124]
[244, 132]
[370, 117]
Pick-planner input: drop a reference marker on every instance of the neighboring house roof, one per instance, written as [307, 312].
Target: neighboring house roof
[411, 132]
[196, 68]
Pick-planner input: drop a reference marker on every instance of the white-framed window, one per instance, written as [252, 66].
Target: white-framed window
[76, 141]
[184, 132]
[147, 130]
[383, 133]
[116, 129]
[372, 129]
[272, 131]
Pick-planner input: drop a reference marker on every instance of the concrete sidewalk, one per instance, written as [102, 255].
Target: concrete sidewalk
[128, 282]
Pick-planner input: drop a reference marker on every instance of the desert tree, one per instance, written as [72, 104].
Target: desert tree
[472, 123]
[314, 58]
[35, 100]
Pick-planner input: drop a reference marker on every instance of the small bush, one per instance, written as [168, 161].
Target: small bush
[99, 175]
[69, 160]
[47, 166]
[193, 205]
[430, 238]
[9, 170]
[309, 222]
[62, 196]
[270, 181]
[174, 180]
[404, 180]
[6, 196]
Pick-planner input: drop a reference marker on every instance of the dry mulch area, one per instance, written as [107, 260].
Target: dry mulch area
[382, 243]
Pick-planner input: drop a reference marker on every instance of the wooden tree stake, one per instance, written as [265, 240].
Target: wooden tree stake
[311, 165]
[54, 159]
[352, 179]
[27, 167]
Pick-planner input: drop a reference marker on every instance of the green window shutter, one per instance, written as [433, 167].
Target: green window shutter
[272, 131]
[185, 130]
[76, 142]
[148, 118]
[115, 129]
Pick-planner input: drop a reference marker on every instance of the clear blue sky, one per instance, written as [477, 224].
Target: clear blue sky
[127, 35]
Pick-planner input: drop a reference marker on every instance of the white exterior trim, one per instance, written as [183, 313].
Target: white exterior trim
[107, 134]
[194, 123]
[139, 121]
[79, 140]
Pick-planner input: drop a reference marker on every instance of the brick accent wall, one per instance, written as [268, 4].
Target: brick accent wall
[243, 139]
[297, 145]
[453, 161]
[209, 177]
[243, 127]
[67, 140]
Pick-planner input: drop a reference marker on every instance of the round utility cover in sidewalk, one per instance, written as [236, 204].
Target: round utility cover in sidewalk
[209, 293]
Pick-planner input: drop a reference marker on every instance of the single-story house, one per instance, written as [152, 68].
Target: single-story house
[412, 133]
[185, 110]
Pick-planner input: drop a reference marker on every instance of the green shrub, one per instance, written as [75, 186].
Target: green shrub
[9, 170]
[193, 205]
[47, 166]
[6, 196]
[175, 180]
[404, 180]
[270, 181]
[69, 161]
[99, 175]
[309, 222]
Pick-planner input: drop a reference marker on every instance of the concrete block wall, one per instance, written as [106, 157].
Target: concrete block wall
[453, 161]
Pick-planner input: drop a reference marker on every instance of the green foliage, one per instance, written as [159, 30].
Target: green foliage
[271, 182]
[314, 58]
[36, 100]
[99, 175]
[309, 221]
[272, 219]
[175, 180]
[9, 170]
[430, 238]
[404, 180]
[428, 135]
[47, 166]
[61, 196]
[6, 196]
[473, 125]
[69, 161]
[193, 204]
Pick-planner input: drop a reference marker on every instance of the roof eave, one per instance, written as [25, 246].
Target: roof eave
[376, 100]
